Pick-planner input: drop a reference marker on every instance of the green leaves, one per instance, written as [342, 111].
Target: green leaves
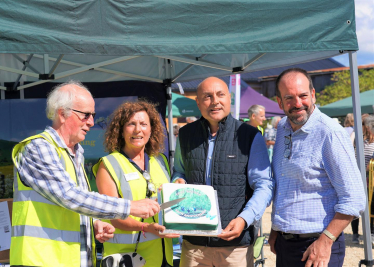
[342, 86]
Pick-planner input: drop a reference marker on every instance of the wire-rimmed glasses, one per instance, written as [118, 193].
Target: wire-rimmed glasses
[151, 188]
[288, 145]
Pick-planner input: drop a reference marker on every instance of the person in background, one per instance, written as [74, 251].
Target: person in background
[190, 119]
[319, 189]
[353, 134]
[231, 156]
[270, 135]
[256, 115]
[368, 137]
[175, 133]
[52, 204]
[349, 123]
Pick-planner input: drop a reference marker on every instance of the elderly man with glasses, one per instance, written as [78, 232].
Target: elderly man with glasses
[53, 204]
[319, 190]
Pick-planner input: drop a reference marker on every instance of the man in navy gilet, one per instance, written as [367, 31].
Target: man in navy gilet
[231, 156]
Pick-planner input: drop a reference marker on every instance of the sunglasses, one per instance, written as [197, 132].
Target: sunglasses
[288, 144]
[86, 114]
[151, 189]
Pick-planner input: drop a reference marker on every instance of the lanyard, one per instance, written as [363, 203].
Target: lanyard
[146, 162]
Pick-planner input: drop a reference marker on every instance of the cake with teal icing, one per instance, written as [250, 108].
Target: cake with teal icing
[198, 211]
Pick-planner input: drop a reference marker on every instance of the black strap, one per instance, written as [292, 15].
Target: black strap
[146, 162]
[137, 241]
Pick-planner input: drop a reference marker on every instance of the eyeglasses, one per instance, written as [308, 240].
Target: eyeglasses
[288, 144]
[151, 189]
[86, 114]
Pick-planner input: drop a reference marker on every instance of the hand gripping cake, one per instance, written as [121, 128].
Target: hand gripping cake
[198, 211]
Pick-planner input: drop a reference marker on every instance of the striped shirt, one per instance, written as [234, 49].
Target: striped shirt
[40, 168]
[320, 178]
[368, 151]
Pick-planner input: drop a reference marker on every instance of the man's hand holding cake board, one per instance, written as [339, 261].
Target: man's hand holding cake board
[197, 214]
[233, 229]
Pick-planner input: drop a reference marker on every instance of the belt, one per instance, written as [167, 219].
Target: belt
[289, 236]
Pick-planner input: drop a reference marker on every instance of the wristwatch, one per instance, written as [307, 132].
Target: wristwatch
[329, 235]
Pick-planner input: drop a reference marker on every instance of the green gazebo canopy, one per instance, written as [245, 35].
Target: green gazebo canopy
[344, 106]
[183, 106]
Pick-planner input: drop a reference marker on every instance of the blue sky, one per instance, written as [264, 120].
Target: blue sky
[365, 33]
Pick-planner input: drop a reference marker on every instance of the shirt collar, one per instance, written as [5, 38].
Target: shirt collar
[56, 137]
[310, 123]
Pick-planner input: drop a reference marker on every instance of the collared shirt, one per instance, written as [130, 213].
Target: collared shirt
[258, 175]
[41, 169]
[320, 177]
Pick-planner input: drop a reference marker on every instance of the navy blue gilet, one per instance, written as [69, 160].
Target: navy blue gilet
[229, 170]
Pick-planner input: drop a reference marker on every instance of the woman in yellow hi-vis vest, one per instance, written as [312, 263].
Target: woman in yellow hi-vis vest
[134, 169]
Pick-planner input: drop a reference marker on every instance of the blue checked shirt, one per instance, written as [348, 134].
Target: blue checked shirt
[40, 168]
[320, 178]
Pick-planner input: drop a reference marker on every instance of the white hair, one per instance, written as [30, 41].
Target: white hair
[62, 99]
[191, 119]
[254, 109]
[275, 120]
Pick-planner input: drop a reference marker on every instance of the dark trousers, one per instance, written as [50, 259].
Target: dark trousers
[290, 252]
[356, 222]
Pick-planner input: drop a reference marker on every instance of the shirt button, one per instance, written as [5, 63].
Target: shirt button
[209, 175]
[282, 174]
[209, 157]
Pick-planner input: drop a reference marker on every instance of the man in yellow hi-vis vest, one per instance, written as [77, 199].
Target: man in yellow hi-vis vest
[53, 204]
[256, 115]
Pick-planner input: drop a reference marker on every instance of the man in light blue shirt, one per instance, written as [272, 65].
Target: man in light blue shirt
[318, 189]
[231, 156]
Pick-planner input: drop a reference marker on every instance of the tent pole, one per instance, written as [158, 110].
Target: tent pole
[23, 68]
[170, 121]
[167, 83]
[360, 151]
[46, 63]
[2, 92]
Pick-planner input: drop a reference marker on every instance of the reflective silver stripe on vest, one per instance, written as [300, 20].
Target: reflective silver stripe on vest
[30, 195]
[161, 162]
[125, 186]
[131, 238]
[46, 233]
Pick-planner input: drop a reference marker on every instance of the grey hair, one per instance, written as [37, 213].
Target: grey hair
[369, 123]
[254, 109]
[64, 99]
[274, 120]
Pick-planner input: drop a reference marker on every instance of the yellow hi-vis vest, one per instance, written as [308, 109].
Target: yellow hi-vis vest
[132, 185]
[261, 129]
[43, 233]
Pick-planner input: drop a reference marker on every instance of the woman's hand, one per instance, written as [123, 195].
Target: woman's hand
[155, 228]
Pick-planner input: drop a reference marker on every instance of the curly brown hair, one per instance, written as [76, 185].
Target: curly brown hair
[113, 135]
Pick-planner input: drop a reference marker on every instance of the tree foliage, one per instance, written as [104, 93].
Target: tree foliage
[342, 87]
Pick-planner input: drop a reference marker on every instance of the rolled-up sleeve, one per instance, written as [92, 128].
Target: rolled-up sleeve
[341, 167]
[260, 180]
